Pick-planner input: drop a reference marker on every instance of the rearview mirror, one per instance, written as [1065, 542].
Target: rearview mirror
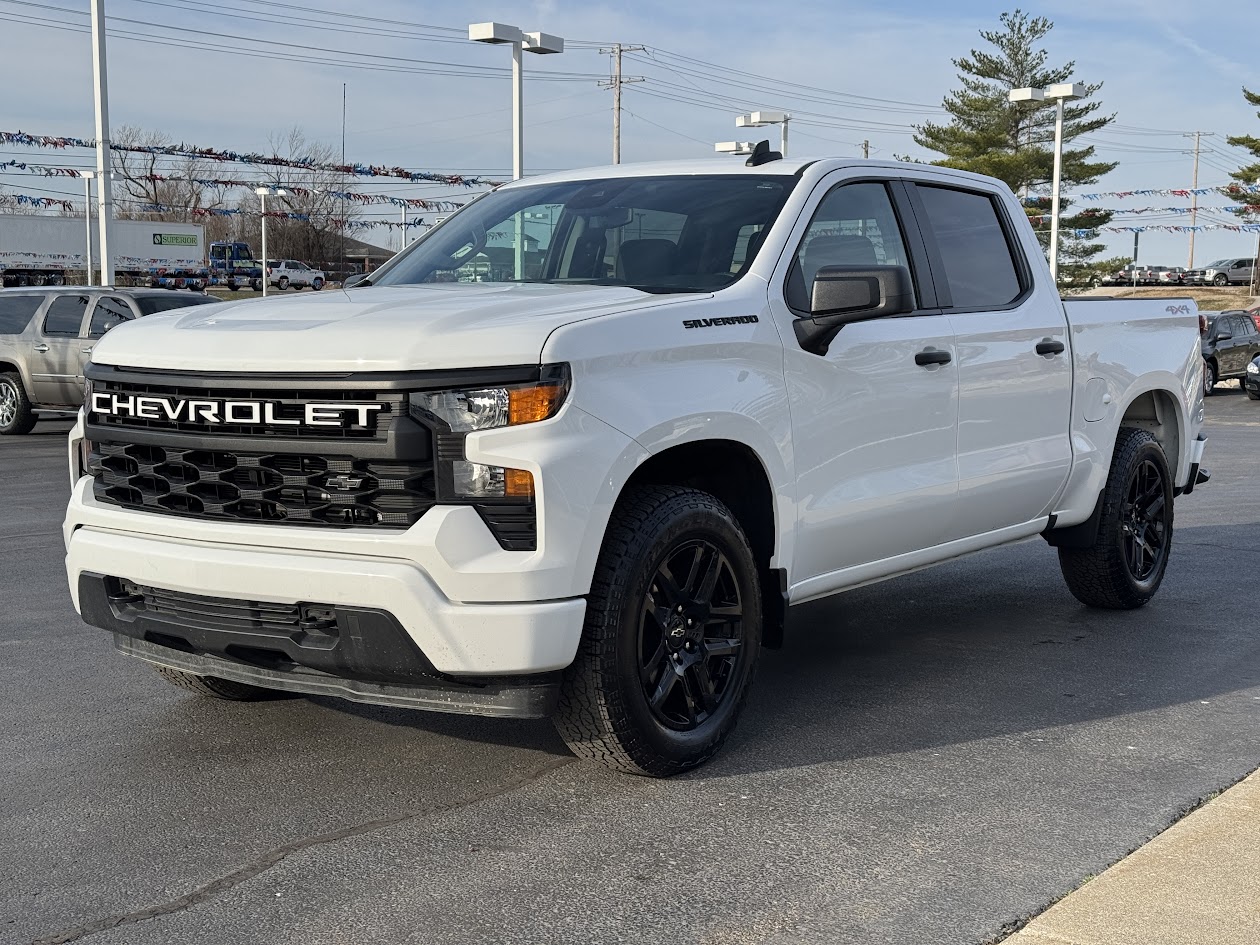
[845, 294]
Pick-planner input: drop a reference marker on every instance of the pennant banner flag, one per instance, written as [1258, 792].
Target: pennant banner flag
[59, 142]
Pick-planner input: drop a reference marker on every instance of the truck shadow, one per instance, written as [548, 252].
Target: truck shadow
[986, 647]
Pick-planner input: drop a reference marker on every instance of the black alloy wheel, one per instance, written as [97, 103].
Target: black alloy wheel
[1145, 521]
[1123, 565]
[671, 638]
[691, 637]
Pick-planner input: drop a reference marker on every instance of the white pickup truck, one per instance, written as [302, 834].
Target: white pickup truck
[578, 449]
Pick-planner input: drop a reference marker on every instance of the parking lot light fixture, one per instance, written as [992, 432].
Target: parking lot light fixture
[263, 193]
[734, 147]
[501, 34]
[761, 119]
[1060, 92]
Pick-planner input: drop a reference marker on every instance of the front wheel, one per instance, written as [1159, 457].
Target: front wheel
[672, 636]
[1125, 565]
[1220, 279]
[317, 284]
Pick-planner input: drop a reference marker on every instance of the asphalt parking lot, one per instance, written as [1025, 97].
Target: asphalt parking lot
[928, 761]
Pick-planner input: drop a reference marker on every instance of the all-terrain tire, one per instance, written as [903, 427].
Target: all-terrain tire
[16, 416]
[214, 688]
[605, 712]
[1103, 574]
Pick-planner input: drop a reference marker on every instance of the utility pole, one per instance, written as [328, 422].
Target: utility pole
[615, 83]
[1194, 185]
[104, 173]
[866, 148]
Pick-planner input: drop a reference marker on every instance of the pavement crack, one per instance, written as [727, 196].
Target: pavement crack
[266, 861]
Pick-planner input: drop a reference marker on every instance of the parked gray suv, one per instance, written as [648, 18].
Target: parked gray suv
[47, 335]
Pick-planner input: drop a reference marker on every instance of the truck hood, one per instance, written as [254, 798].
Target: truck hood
[403, 328]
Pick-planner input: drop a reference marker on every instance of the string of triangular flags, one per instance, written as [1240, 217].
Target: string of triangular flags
[62, 142]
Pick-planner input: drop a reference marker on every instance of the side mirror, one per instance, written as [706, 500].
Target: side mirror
[845, 294]
[1224, 335]
[353, 280]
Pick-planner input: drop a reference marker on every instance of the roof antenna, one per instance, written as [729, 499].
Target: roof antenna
[762, 155]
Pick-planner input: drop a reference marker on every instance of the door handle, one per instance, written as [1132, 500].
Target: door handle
[1049, 346]
[41, 348]
[932, 356]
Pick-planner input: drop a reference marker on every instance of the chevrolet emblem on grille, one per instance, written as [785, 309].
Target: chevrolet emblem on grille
[344, 483]
[241, 412]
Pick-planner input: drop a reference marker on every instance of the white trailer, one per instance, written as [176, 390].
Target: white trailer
[45, 250]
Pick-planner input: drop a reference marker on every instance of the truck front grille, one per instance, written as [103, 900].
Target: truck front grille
[275, 488]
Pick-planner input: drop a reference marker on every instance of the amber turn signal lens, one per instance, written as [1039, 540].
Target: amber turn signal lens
[531, 404]
[518, 483]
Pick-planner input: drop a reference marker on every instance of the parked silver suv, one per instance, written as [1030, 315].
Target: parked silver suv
[47, 335]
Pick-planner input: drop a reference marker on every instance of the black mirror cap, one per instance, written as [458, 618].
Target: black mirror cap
[845, 294]
[354, 279]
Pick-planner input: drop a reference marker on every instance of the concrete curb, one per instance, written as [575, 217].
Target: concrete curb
[1197, 883]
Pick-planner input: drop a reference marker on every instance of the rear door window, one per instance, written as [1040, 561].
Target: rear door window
[109, 313]
[65, 315]
[980, 270]
[16, 312]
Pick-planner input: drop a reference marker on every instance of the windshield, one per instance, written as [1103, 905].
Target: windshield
[1219, 264]
[658, 234]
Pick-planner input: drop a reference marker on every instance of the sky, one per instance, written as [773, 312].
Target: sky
[232, 74]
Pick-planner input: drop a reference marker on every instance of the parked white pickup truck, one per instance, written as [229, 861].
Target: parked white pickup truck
[682, 397]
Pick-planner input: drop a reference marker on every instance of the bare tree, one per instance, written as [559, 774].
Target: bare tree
[317, 238]
[139, 171]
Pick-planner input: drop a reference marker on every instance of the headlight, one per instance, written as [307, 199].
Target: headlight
[1253, 368]
[456, 413]
[466, 411]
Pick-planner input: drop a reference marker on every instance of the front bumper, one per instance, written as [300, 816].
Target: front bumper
[455, 638]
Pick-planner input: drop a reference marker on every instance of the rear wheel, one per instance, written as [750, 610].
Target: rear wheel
[16, 416]
[672, 636]
[1209, 377]
[212, 687]
[1125, 565]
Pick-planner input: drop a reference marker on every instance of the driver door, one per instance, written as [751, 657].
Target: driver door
[875, 417]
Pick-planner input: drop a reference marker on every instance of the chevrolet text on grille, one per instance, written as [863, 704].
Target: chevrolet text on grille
[259, 412]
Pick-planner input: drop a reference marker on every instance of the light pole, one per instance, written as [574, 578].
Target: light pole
[87, 214]
[1255, 263]
[498, 34]
[104, 192]
[263, 193]
[761, 119]
[1061, 93]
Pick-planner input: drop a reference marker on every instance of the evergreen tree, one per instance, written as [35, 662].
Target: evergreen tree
[1014, 141]
[1249, 175]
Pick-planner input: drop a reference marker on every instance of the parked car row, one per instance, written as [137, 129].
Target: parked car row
[1231, 271]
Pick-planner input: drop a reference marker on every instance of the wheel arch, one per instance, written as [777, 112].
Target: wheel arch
[735, 474]
[10, 366]
[1157, 412]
